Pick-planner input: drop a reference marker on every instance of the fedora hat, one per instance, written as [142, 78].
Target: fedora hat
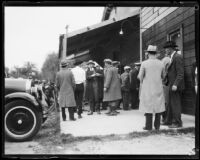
[127, 67]
[151, 48]
[137, 63]
[64, 63]
[170, 44]
[91, 62]
[108, 60]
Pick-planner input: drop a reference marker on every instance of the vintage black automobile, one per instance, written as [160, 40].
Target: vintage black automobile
[25, 109]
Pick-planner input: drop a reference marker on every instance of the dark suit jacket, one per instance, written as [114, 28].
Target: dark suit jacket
[134, 81]
[94, 85]
[175, 71]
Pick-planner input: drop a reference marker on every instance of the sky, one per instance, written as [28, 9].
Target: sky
[31, 33]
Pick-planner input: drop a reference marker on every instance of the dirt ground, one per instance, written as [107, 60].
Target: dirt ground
[50, 141]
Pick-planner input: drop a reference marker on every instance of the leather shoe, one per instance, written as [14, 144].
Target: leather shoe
[74, 119]
[112, 114]
[90, 113]
[165, 123]
[79, 116]
[116, 112]
[107, 112]
[175, 126]
[64, 119]
[145, 128]
[99, 112]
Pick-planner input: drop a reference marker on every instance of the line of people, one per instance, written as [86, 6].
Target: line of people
[155, 87]
[103, 88]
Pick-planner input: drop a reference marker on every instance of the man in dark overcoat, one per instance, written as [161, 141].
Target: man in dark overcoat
[93, 90]
[65, 85]
[134, 86]
[125, 87]
[175, 81]
[112, 87]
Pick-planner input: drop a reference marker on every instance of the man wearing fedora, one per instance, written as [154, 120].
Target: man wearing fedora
[93, 90]
[112, 87]
[151, 95]
[65, 85]
[134, 86]
[116, 64]
[125, 87]
[175, 81]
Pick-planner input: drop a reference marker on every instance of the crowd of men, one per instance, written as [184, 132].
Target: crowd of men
[154, 86]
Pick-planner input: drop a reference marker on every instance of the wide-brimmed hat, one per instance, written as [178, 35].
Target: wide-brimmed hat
[91, 62]
[115, 62]
[108, 60]
[127, 67]
[170, 44]
[64, 63]
[137, 63]
[151, 48]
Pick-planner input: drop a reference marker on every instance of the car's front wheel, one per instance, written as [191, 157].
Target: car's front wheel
[22, 120]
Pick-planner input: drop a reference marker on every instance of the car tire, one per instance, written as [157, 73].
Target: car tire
[22, 120]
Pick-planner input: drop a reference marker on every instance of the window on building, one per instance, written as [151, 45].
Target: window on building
[177, 37]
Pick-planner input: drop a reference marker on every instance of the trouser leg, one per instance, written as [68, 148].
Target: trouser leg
[63, 113]
[133, 99]
[92, 103]
[168, 113]
[79, 97]
[157, 121]
[104, 105]
[71, 113]
[125, 100]
[175, 102]
[97, 106]
[148, 123]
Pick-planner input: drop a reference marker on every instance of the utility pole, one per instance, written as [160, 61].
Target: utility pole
[140, 28]
[64, 53]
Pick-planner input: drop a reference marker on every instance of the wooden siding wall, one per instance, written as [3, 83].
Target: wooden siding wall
[157, 35]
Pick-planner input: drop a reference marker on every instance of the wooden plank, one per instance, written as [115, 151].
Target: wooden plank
[146, 17]
[189, 61]
[162, 9]
[189, 45]
[189, 37]
[150, 19]
[189, 53]
[189, 12]
[146, 10]
[189, 28]
[189, 20]
[158, 18]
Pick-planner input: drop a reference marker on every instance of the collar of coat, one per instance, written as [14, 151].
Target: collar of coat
[172, 59]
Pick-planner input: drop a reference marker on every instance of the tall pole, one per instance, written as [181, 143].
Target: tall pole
[140, 34]
[64, 53]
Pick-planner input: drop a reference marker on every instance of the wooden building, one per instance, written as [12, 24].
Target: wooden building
[103, 40]
[141, 26]
[160, 24]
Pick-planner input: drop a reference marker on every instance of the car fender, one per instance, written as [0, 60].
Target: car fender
[25, 96]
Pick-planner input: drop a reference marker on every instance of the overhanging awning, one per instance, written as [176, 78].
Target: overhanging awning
[98, 34]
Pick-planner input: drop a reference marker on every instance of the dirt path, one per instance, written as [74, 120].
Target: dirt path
[21, 148]
[155, 144]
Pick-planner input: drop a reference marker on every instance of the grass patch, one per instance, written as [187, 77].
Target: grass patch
[49, 134]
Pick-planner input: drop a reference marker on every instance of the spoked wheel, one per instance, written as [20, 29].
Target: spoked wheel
[22, 120]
